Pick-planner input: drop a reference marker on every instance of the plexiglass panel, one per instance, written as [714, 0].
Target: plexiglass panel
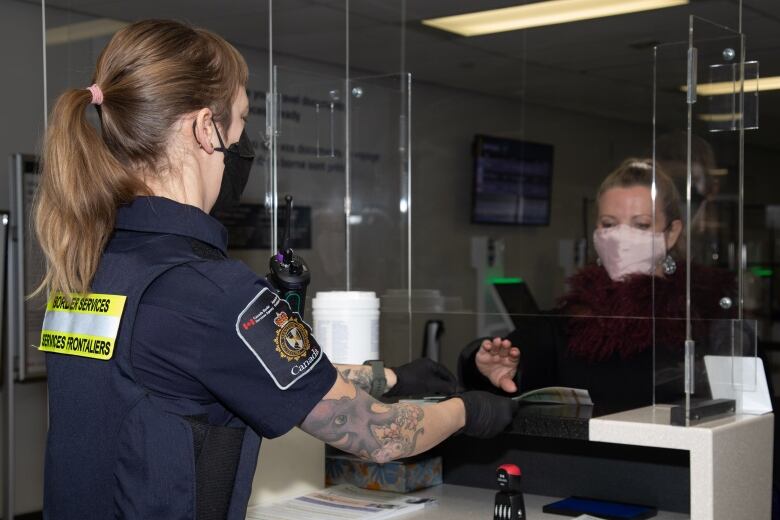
[331, 117]
[310, 164]
[380, 182]
[699, 125]
[380, 204]
[342, 148]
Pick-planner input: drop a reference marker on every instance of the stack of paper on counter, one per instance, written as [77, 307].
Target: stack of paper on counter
[556, 395]
[343, 501]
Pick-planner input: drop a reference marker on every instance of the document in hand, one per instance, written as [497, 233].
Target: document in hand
[556, 395]
[341, 502]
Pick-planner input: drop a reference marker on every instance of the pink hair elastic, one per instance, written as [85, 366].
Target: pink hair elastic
[97, 94]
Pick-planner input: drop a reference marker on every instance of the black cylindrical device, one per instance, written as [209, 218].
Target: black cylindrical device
[289, 273]
[509, 504]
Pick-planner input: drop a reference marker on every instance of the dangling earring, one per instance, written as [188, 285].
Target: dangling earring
[669, 265]
[598, 261]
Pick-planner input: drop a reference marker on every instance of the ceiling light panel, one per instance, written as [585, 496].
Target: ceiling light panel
[542, 13]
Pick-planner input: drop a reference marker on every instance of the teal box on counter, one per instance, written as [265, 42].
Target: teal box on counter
[402, 476]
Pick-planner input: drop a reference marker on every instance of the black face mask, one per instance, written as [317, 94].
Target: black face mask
[238, 161]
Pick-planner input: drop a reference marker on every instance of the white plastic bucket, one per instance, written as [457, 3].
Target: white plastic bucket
[346, 325]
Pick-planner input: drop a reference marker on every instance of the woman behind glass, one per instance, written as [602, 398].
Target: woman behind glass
[600, 336]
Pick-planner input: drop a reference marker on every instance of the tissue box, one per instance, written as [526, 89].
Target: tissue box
[401, 476]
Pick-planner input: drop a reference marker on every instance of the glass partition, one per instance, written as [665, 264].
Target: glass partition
[506, 126]
[325, 131]
[701, 111]
[341, 145]
[481, 278]
[380, 204]
[310, 148]
[510, 137]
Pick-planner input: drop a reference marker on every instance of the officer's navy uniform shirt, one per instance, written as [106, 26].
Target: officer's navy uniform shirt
[199, 356]
[185, 342]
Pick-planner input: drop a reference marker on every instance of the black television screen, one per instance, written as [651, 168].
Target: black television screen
[512, 182]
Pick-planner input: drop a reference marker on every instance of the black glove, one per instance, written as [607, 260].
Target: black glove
[422, 377]
[487, 414]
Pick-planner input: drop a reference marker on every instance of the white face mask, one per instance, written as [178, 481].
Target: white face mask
[626, 250]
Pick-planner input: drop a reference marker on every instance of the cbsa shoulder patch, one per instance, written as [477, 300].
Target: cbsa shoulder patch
[280, 340]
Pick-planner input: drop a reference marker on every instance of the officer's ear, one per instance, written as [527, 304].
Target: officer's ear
[203, 129]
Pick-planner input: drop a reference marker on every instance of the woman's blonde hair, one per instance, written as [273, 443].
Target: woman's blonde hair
[151, 74]
[639, 172]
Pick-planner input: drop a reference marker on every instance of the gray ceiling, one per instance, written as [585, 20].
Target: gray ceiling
[602, 66]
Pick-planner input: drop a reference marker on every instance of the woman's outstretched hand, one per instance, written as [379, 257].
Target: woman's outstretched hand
[497, 359]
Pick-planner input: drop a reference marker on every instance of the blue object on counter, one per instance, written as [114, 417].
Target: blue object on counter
[574, 506]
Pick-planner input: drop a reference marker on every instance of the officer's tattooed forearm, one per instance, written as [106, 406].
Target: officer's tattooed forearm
[361, 376]
[365, 427]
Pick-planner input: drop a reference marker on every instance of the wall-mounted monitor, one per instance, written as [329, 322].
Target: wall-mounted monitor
[512, 182]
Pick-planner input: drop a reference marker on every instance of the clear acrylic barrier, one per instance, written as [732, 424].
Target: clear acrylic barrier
[610, 356]
[331, 121]
[380, 195]
[726, 340]
[357, 185]
[325, 132]
[346, 155]
[723, 106]
[324, 153]
[700, 116]
[310, 163]
[380, 200]
[625, 362]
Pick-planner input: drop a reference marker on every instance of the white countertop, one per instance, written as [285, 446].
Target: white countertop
[468, 503]
[730, 458]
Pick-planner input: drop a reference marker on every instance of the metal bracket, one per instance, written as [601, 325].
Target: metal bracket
[690, 366]
[693, 59]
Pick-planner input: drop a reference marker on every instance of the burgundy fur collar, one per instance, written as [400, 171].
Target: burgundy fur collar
[615, 318]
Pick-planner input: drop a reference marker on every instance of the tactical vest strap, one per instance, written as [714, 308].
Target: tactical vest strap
[217, 453]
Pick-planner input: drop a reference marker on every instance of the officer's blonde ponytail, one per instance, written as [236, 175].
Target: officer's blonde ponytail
[150, 75]
[81, 185]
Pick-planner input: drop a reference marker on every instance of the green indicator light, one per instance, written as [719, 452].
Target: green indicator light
[505, 281]
[762, 272]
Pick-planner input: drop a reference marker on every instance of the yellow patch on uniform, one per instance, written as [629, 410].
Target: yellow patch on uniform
[101, 304]
[85, 325]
